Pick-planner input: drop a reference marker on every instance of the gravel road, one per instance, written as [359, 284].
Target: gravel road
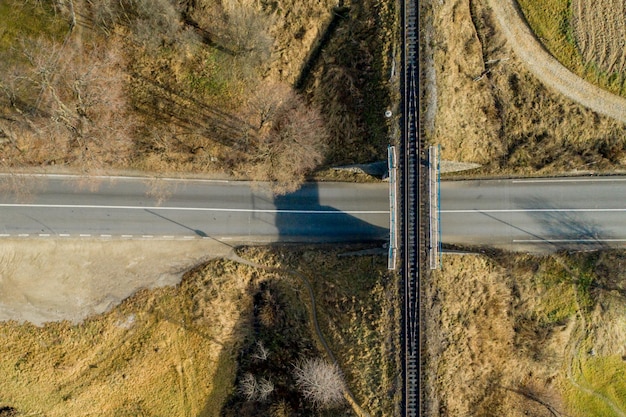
[547, 69]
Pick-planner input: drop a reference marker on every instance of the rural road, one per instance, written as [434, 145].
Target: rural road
[536, 215]
[119, 207]
[526, 214]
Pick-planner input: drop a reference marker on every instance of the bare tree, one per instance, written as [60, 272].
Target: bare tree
[152, 22]
[290, 139]
[247, 28]
[72, 103]
[253, 390]
[261, 353]
[264, 388]
[248, 386]
[321, 382]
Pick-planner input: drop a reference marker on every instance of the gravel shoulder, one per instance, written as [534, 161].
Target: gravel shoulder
[547, 69]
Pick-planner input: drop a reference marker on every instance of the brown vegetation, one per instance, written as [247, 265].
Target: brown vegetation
[160, 86]
[68, 106]
[492, 111]
[509, 335]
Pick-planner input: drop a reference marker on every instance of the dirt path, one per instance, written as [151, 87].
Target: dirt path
[313, 317]
[547, 69]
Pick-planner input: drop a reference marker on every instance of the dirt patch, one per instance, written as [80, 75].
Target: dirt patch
[52, 280]
[600, 31]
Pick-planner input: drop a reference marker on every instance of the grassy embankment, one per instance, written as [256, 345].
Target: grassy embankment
[551, 20]
[531, 333]
[491, 111]
[184, 86]
[180, 351]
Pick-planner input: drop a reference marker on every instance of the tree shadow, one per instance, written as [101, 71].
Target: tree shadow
[188, 113]
[197, 232]
[340, 13]
[564, 230]
[207, 38]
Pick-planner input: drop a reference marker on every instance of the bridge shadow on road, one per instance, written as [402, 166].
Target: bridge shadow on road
[301, 217]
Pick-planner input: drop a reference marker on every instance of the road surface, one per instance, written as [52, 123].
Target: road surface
[536, 215]
[120, 207]
[527, 214]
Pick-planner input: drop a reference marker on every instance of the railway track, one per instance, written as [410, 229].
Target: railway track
[413, 183]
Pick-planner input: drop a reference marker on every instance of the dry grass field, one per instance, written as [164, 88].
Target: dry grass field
[517, 334]
[183, 350]
[161, 352]
[586, 36]
[600, 31]
[490, 110]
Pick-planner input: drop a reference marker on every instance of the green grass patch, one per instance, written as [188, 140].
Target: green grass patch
[606, 377]
[550, 21]
[23, 20]
[209, 76]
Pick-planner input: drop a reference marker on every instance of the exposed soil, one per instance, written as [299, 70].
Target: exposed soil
[53, 280]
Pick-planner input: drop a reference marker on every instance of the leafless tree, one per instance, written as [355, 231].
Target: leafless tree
[248, 386]
[321, 382]
[67, 104]
[260, 353]
[151, 21]
[247, 28]
[264, 388]
[254, 390]
[290, 139]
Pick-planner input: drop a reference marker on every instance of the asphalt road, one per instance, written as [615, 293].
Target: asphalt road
[535, 214]
[527, 214]
[122, 207]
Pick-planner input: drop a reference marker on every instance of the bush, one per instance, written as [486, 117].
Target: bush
[321, 382]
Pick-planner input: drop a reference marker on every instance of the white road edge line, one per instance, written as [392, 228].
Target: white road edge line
[234, 210]
[539, 210]
[5, 235]
[567, 240]
[557, 180]
[64, 235]
[114, 177]
[44, 234]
